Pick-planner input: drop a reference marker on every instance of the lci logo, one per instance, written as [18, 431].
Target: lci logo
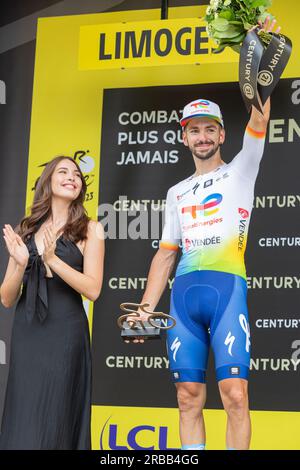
[159, 434]
[207, 206]
[200, 104]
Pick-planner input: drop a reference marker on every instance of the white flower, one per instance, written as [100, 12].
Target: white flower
[208, 10]
[214, 4]
[227, 3]
[209, 30]
[216, 15]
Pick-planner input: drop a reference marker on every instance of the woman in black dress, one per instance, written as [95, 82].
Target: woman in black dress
[56, 255]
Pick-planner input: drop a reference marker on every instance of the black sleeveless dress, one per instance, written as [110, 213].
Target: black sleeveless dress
[48, 396]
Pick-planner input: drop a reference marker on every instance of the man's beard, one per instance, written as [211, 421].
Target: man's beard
[205, 156]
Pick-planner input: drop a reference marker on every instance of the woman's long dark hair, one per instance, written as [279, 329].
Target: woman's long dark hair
[76, 226]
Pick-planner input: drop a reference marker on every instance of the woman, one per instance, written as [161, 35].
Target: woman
[57, 254]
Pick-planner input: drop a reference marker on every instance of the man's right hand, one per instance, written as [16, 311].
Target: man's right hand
[131, 320]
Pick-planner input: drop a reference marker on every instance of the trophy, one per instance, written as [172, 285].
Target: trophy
[135, 327]
[260, 68]
[263, 54]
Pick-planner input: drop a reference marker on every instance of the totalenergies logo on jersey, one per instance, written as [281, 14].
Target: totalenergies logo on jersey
[200, 104]
[206, 208]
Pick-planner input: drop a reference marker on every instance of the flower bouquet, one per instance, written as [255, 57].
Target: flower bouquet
[228, 21]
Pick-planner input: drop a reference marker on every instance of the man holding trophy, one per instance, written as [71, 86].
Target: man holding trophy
[209, 213]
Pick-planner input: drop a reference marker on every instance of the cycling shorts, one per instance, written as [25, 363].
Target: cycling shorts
[210, 308]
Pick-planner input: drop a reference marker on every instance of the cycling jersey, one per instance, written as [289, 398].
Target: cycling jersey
[210, 213]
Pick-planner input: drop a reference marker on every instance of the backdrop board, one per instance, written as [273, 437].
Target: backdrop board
[142, 156]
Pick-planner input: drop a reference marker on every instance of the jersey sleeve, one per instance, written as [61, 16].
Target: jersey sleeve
[171, 235]
[248, 159]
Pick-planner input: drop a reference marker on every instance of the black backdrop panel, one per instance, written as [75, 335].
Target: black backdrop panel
[138, 170]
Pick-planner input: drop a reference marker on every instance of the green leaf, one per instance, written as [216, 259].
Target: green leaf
[238, 39]
[227, 14]
[247, 3]
[236, 48]
[242, 5]
[231, 32]
[238, 23]
[226, 43]
[220, 24]
[248, 25]
[218, 50]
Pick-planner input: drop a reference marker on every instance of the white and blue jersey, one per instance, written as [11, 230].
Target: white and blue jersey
[209, 214]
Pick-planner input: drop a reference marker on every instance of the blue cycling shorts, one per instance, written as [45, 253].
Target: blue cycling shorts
[210, 308]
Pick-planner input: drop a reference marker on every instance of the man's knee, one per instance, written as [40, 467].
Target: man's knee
[190, 396]
[234, 396]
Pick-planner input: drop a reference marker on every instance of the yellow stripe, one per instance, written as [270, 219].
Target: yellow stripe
[265, 426]
[168, 246]
[257, 134]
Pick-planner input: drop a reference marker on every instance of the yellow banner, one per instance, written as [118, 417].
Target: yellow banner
[136, 428]
[144, 43]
